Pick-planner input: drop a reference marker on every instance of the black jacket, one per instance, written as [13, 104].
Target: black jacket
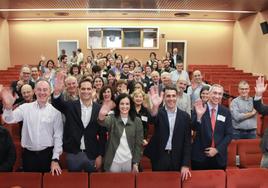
[7, 151]
[262, 109]
[94, 134]
[181, 140]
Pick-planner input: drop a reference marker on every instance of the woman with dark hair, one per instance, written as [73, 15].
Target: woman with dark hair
[75, 71]
[170, 59]
[131, 66]
[98, 83]
[152, 58]
[124, 146]
[204, 93]
[106, 94]
[49, 72]
[155, 67]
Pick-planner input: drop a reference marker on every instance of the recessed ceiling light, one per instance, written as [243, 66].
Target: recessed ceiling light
[181, 14]
[61, 13]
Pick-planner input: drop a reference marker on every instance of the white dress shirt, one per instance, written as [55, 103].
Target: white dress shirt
[42, 127]
[171, 121]
[85, 116]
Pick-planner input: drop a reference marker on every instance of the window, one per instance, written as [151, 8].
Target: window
[132, 37]
[122, 37]
[95, 38]
[112, 38]
[150, 38]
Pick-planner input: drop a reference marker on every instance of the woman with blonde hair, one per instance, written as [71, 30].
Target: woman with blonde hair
[141, 102]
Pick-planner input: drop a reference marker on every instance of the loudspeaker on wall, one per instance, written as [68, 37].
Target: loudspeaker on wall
[264, 27]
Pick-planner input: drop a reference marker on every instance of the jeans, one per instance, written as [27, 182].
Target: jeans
[244, 134]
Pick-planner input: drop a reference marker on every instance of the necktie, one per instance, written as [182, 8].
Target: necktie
[213, 123]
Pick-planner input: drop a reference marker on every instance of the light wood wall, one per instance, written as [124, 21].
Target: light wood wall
[207, 42]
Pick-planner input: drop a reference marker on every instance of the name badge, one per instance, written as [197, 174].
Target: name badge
[221, 118]
[144, 118]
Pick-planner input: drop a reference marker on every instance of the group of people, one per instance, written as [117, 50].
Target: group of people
[99, 112]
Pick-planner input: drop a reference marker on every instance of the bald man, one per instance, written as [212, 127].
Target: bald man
[25, 78]
[27, 95]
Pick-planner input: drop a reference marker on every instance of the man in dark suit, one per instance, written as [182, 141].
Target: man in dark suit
[262, 109]
[170, 146]
[176, 58]
[83, 138]
[213, 126]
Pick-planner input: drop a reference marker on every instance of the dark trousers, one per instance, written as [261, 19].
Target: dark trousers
[37, 161]
[79, 162]
[165, 163]
[209, 164]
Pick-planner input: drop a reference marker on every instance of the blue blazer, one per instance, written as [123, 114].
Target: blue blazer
[222, 135]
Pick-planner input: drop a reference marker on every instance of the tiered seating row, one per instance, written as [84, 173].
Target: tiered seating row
[226, 76]
[232, 178]
[9, 75]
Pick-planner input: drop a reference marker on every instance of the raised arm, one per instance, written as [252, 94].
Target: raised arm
[107, 106]
[10, 116]
[59, 83]
[200, 109]
[7, 98]
[156, 99]
[260, 89]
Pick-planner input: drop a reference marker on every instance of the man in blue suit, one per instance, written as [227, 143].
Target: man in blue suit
[213, 126]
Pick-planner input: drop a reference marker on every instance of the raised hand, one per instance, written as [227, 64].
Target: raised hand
[155, 97]
[200, 108]
[260, 86]
[107, 106]
[59, 83]
[7, 98]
